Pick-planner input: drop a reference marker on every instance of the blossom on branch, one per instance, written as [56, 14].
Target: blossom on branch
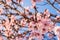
[1, 11]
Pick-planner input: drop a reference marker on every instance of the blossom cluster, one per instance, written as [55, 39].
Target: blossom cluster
[29, 26]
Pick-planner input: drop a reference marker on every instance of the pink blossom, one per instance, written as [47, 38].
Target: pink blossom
[1, 11]
[1, 38]
[19, 1]
[8, 2]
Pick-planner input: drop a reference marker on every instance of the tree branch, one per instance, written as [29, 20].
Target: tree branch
[53, 5]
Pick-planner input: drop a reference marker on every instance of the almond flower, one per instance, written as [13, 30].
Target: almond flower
[8, 2]
[23, 22]
[39, 16]
[12, 18]
[34, 2]
[46, 13]
[57, 31]
[19, 1]
[1, 38]
[1, 11]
